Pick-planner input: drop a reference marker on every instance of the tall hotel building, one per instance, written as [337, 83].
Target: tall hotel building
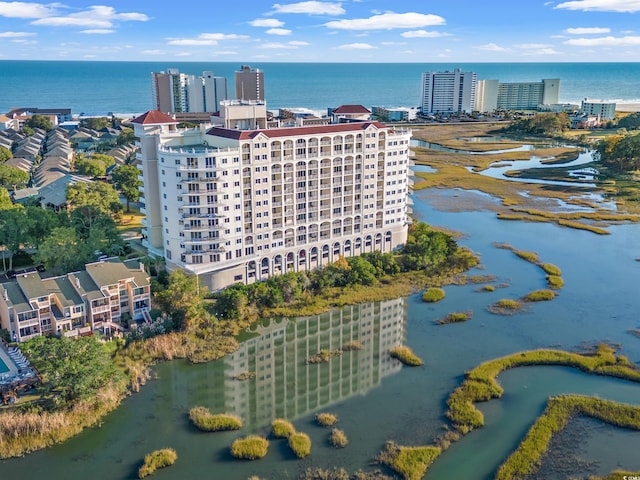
[494, 95]
[448, 92]
[242, 200]
[175, 92]
[250, 84]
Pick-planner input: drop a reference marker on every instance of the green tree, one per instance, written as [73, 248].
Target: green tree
[620, 152]
[72, 369]
[125, 178]
[11, 177]
[5, 199]
[90, 167]
[39, 121]
[630, 121]
[97, 123]
[361, 272]
[183, 299]
[63, 250]
[98, 194]
[14, 228]
[126, 136]
[40, 223]
[231, 303]
[426, 249]
[5, 154]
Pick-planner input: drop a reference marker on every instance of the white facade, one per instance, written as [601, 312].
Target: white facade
[493, 95]
[242, 205]
[448, 92]
[603, 110]
[175, 92]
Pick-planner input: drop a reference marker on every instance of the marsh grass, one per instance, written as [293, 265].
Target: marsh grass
[487, 288]
[482, 278]
[204, 420]
[540, 296]
[506, 306]
[618, 475]
[326, 419]
[410, 462]
[245, 376]
[526, 459]
[530, 257]
[455, 317]
[251, 447]
[337, 438]
[551, 269]
[323, 356]
[281, 428]
[555, 282]
[157, 459]
[433, 294]
[406, 356]
[300, 444]
[351, 346]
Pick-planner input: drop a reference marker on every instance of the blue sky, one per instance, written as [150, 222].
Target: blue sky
[323, 31]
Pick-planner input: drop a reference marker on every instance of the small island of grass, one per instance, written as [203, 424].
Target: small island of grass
[433, 294]
[555, 282]
[540, 296]
[157, 459]
[506, 306]
[252, 447]
[406, 356]
[337, 438]
[300, 444]
[203, 419]
[455, 317]
[281, 428]
[410, 462]
[326, 419]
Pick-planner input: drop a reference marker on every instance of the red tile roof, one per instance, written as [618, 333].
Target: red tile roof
[153, 117]
[287, 132]
[351, 109]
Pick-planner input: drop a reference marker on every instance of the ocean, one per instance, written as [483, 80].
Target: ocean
[125, 87]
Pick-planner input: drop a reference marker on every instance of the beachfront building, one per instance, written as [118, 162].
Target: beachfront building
[245, 199]
[98, 298]
[493, 95]
[398, 114]
[598, 108]
[175, 92]
[448, 92]
[249, 84]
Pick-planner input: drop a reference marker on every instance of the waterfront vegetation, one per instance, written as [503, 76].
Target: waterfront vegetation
[540, 296]
[488, 288]
[337, 473]
[410, 462]
[525, 460]
[433, 294]
[204, 420]
[506, 306]
[337, 438]
[252, 447]
[281, 428]
[455, 317]
[406, 356]
[300, 444]
[553, 277]
[325, 419]
[157, 459]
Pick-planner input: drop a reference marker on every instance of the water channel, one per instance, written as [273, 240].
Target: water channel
[375, 398]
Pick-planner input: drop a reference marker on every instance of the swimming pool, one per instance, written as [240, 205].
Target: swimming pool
[3, 367]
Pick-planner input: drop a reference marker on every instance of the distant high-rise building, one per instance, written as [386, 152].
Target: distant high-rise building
[448, 92]
[249, 84]
[604, 110]
[493, 95]
[175, 92]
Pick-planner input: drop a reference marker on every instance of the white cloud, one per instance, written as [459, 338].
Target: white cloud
[422, 34]
[24, 41]
[627, 6]
[97, 16]
[225, 52]
[183, 54]
[298, 43]
[223, 36]
[98, 31]
[153, 52]
[266, 22]
[542, 51]
[16, 34]
[90, 56]
[311, 8]
[532, 46]
[25, 10]
[356, 46]
[205, 39]
[280, 46]
[492, 47]
[278, 31]
[393, 43]
[387, 21]
[604, 41]
[587, 30]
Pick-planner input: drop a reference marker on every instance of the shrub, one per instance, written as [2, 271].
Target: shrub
[250, 448]
[322, 474]
[326, 419]
[338, 438]
[300, 444]
[455, 317]
[281, 428]
[410, 462]
[433, 294]
[505, 306]
[540, 296]
[406, 356]
[157, 459]
[551, 269]
[208, 422]
[555, 282]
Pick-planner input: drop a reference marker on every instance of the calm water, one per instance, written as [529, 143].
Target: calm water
[375, 399]
[125, 87]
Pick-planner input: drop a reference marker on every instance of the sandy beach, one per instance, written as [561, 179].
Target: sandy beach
[628, 107]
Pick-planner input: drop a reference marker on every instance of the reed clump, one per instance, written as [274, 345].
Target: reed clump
[555, 282]
[324, 355]
[300, 444]
[281, 428]
[251, 447]
[157, 459]
[506, 306]
[433, 294]
[551, 269]
[540, 296]
[488, 288]
[245, 376]
[455, 317]
[406, 356]
[206, 421]
[410, 462]
[351, 346]
[337, 438]
[326, 419]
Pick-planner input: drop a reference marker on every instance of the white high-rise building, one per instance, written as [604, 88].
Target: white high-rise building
[234, 205]
[175, 92]
[448, 92]
[603, 110]
[494, 95]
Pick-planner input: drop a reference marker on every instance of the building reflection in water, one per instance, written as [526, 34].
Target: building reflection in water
[286, 386]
